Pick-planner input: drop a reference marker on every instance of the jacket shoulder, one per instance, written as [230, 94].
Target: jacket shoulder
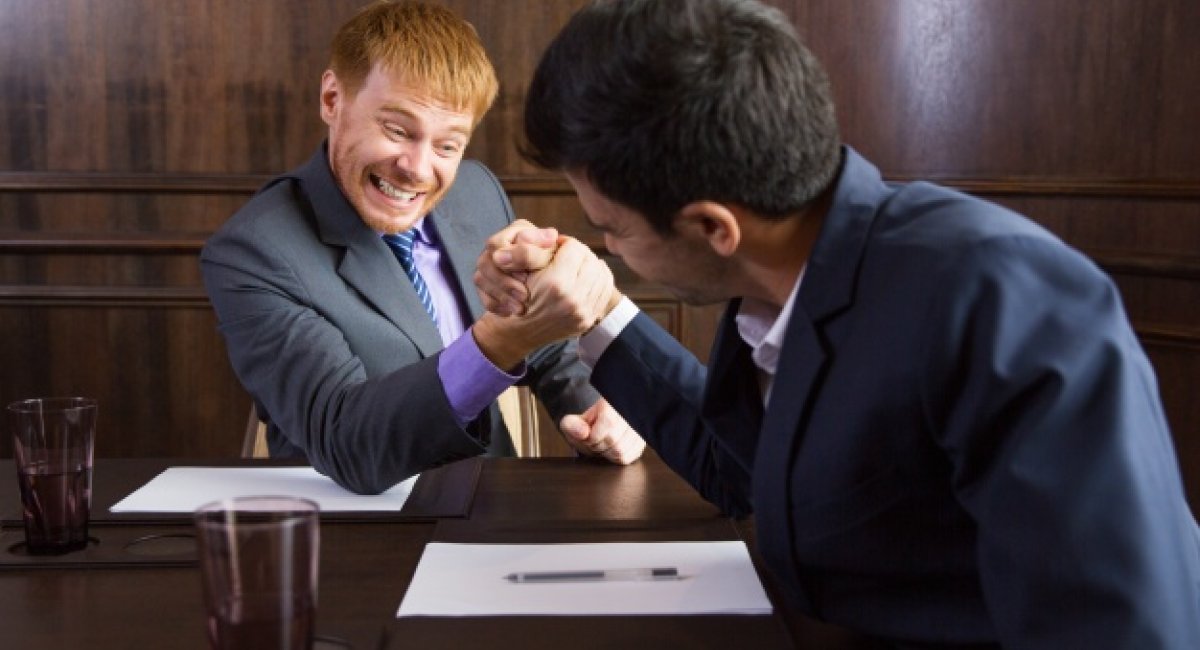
[478, 194]
[264, 213]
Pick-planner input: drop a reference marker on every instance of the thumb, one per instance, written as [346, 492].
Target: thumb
[523, 257]
[575, 426]
[543, 237]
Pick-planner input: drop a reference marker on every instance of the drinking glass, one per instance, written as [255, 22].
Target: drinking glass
[259, 559]
[53, 440]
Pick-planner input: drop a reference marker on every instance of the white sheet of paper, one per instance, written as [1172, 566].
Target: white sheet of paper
[469, 580]
[183, 489]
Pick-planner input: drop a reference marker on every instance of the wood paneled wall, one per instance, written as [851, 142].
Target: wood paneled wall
[130, 129]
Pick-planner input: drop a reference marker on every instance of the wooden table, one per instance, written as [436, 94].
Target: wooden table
[138, 586]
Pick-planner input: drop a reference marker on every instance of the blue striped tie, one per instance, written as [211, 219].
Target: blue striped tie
[402, 246]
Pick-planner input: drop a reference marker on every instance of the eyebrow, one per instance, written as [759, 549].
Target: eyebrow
[399, 110]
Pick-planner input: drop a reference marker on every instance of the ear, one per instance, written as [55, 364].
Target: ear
[331, 97]
[713, 222]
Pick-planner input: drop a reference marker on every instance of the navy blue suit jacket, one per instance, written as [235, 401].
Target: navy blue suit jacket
[964, 442]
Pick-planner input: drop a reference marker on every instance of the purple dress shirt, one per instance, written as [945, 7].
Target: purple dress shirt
[470, 380]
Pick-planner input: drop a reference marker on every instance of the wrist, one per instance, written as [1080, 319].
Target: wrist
[499, 348]
[614, 299]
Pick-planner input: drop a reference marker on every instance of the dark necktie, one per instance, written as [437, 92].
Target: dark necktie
[402, 246]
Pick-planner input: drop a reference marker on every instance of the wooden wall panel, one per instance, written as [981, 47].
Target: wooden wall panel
[1036, 88]
[149, 86]
[130, 129]
[158, 370]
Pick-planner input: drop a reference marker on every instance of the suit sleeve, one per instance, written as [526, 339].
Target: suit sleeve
[659, 386]
[560, 380]
[1048, 409]
[365, 433]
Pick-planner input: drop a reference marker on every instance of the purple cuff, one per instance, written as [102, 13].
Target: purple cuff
[470, 380]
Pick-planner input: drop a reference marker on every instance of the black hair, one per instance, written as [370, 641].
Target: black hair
[665, 102]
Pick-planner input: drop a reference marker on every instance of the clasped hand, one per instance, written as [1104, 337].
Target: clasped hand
[540, 287]
[555, 284]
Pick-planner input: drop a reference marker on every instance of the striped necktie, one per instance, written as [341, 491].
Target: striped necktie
[402, 246]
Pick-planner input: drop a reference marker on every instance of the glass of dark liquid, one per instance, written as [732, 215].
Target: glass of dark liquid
[259, 559]
[53, 439]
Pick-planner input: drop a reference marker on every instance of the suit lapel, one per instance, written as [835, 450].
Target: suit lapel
[368, 264]
[461, 245]
[826, 291]
[370, 267]
[732, 400]
[801, 363]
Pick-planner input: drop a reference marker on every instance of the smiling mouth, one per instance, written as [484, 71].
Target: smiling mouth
[391, 191]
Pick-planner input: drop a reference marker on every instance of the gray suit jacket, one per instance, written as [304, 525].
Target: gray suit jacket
[327, 334]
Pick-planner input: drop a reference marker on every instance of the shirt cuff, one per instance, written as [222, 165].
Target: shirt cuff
[594, 343]
[470, 380]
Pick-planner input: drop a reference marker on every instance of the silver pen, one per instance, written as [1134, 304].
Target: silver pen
[653, 573]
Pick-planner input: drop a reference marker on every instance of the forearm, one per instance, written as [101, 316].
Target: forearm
[365, 429]
[470, 380]
[560, 380]
[658, 386]
[370, 435]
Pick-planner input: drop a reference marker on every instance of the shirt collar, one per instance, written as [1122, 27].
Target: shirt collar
[425, 235]
[763, 327]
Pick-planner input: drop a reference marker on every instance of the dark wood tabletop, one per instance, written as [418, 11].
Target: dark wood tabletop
[137, 585]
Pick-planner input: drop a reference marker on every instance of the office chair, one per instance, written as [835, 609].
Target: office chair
[518, 408]
[254, 441]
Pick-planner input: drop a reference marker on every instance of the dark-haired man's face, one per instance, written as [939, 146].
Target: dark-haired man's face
[685, 266]
[393, 149]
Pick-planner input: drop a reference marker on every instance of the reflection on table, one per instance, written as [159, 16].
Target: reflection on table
[137, 585]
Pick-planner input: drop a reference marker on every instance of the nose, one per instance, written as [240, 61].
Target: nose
[415, 162]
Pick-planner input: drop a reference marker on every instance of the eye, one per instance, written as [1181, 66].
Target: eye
[395, 131]
[450, 148]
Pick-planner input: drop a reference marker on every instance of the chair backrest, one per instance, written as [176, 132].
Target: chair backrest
[254, 442]
[519, 410]
[517, 406]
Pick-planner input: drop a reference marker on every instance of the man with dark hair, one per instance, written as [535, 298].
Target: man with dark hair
[339, 283]
[937, 411]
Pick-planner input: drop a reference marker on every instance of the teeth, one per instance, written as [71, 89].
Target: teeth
[393, 191]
